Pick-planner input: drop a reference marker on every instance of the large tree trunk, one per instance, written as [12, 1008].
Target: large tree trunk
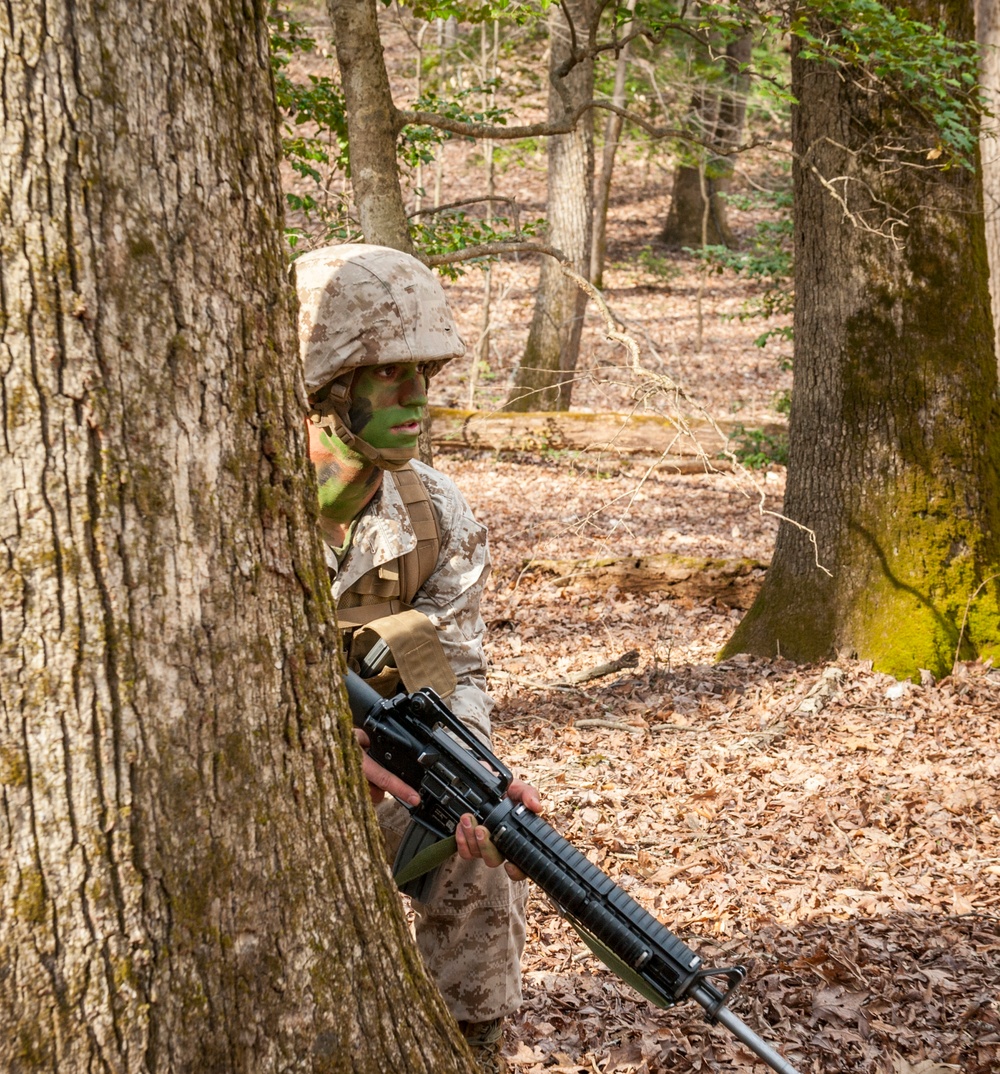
[697, 211]
[895, 427]
[187, 879]
[988, 35]
[544, 380]
[371, 124]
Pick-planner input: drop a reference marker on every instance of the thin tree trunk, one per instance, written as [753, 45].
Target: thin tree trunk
[419, 192]
[371, 124]
[489, 59]
[894, 432]
[189, 877]
[718, 116]
[612, 132]
[544, 380]
[988, 35]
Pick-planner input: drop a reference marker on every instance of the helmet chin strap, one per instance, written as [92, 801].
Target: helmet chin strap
[332, 414]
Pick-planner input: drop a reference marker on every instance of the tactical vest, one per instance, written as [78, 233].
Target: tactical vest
[378, 605]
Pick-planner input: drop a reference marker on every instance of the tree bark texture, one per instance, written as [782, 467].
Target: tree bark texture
[988, 35]
[544, 379]
[612, 132]
[186, 853]
[697, 206]
[371, 124]
[894, 450]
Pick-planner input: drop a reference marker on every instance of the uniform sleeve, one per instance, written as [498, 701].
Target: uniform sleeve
[451, 596]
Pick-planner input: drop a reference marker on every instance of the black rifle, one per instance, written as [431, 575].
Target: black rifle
[417, 738]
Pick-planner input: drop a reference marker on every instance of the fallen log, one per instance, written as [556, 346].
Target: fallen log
[692, 448]
[732, 582]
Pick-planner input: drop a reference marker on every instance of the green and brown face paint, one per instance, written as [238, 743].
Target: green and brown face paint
[387, 404]
[346, 480]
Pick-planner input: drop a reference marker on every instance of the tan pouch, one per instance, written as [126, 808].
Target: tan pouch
[416, 651]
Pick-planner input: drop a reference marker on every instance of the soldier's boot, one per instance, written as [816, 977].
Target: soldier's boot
[485, 1039]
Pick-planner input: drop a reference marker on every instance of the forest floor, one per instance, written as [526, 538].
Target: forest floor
[834, 830]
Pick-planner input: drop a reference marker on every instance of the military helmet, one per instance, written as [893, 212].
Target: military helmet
[362, 305]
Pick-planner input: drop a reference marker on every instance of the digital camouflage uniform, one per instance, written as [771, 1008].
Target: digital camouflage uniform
[471, 931]
[362, 306]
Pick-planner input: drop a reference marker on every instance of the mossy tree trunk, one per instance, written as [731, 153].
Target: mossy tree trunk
[187, 858]
[371, 124]
[895, 424]
[697, 211]
[544, 379]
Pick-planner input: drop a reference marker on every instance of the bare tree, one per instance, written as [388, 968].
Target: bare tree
[697, 212]
[612, 132]
[544, 379]
[372, 124]
[988, 35]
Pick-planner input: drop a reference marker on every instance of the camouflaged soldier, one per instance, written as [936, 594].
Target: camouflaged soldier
[408, 563]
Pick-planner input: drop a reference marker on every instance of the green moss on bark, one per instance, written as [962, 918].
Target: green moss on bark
[30, 903]
[895, 462]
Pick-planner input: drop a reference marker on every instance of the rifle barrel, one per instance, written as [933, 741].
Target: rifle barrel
[633, 935]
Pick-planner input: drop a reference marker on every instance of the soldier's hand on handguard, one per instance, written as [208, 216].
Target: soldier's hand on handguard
[474, 840]
[380, 780]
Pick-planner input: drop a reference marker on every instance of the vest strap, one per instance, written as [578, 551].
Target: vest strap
[416, 566]
[378, 605]
[349, 619]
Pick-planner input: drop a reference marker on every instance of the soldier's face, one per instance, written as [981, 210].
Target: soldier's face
[387, 404]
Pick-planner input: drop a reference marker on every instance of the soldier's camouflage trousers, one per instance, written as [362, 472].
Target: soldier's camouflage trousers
[470, 932]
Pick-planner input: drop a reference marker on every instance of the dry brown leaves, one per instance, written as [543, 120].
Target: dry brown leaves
[836, 831]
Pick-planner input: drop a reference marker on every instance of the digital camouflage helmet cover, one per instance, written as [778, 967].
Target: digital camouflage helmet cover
[362, 305]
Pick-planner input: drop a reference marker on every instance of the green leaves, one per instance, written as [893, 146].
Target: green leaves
[416, 142]
[316, 105]
[923, 67]
[517, 11]
[445, 233]
[756, 448]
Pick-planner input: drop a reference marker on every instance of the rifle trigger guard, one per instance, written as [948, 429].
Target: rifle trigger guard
[734, 975]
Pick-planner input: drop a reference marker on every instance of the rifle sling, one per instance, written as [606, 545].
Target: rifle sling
[621, 969]
[425, 860]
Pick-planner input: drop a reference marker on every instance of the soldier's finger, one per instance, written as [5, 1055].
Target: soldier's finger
[487, 850]
[519, 791]
[384, 780]
[465, 838]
